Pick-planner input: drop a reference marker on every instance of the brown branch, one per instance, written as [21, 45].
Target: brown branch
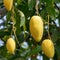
[36, 7]
[13, 27]
[48, 29]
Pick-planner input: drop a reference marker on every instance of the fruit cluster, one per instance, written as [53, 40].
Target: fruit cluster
[36, 29]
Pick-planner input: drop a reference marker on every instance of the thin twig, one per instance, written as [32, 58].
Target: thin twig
[48, 29]
[36, 7]
[13, 27]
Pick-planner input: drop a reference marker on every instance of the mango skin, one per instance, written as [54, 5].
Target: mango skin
[48, 48]
[11, 45]
[36, 28]
[8, 4]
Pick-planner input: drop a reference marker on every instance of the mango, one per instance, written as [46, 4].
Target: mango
[8, 4]
[48, 48]
[11, 45]
[36, 27]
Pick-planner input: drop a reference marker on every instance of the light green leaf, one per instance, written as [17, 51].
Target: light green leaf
[19, 1]
[22, 17]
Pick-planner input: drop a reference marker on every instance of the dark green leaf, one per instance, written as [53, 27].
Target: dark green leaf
[36, 50]
[45, 57]
[57, 46]
[31, 4]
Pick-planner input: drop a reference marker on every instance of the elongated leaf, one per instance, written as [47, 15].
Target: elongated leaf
[22, 17]
[31, 4]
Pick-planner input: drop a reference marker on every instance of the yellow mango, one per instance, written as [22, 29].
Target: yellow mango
[11, 45]
[48, 48]
[8, 4]
[36, 28]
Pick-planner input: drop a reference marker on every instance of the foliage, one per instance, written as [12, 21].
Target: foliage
[16, 25]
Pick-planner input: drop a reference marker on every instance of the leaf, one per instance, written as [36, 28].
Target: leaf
[31, 4]
[8, 17]
[57, 1]
[57, 46]
[36, 50]
[6, 37]
[50, 9]
[44, 13]
[45, 57]
[17, 18]
[21, 37]
[1, 1]
[51, 12]
[22, 17]
[59, 19]
[3, 52]
[19, 1]
[54, 34]
[48, 2]
[3, 33]
[3, 59]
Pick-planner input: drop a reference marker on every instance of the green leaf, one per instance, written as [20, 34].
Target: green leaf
[48, 2]
[19, 1]
[22, 17]
[3, 52]
[6, 37]
[44, 13]
[17, 18]
[31, 4]
[36, 50]
[58, 0]
[3, 59]
[59, 19]
[51, 12]
[21, 37]
[57, 47]
[1, 1]
[8, 17]
[50, 9]
[3, 33]
[54, 35]
[45, 57]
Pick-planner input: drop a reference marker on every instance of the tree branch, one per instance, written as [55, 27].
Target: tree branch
[36, 7]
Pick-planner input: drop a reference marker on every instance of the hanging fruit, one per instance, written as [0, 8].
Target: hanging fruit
[11, 45]
[8, 4]
[48, 48]
[36, 28]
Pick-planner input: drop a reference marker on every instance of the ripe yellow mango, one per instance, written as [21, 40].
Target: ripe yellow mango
[11, 45]
[48, 48]
[36, 28]
[8, 4]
